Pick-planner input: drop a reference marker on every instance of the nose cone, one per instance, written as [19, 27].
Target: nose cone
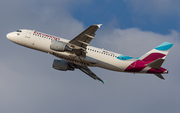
[11, 36]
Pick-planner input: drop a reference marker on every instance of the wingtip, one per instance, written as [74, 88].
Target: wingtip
[99, 25]
[103, 81]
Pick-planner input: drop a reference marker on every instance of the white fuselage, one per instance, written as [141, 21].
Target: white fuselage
[95, 57]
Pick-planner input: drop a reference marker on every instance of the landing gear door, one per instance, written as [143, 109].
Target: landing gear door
[28, 34]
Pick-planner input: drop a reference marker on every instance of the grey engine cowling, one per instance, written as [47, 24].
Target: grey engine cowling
[59, 46]
[62, 65]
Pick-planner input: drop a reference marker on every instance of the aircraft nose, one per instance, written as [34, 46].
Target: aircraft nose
[11, 36]
[8, 36]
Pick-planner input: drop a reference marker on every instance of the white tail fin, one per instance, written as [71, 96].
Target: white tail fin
[159, 52]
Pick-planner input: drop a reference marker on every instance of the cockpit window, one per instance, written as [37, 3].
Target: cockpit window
[18, 31]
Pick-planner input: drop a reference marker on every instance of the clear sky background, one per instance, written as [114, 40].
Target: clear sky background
[29, 84]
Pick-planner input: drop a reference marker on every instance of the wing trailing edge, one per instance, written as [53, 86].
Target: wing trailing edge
[87, 71]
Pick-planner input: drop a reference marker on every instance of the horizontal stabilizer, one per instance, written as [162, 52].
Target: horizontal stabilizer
[160, 76]
[156, 64]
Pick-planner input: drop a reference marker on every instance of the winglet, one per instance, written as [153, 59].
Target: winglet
[99, 25]
[100, 80]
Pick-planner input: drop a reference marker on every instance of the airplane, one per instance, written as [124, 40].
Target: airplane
[78, 54]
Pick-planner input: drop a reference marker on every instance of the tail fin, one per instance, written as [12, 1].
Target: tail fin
[159, 52]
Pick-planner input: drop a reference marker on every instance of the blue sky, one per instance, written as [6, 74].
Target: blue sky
[28, 83]
[122, 13]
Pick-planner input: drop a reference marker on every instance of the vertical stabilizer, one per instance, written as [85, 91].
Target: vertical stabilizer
[159, 52]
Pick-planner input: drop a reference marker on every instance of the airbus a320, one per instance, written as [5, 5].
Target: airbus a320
[78, 54]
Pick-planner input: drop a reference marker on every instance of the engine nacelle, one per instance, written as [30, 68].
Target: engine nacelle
[62, 65]
[59, 46]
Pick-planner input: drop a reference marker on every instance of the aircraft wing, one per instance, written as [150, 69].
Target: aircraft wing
[80, 42]
[86, 70]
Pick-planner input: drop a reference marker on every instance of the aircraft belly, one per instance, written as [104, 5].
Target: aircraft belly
[73, 58]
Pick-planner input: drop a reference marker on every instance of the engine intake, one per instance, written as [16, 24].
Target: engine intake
[62, 65]
[59, 46]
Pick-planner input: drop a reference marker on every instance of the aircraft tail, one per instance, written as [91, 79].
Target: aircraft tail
[151, 61]
[156, 56]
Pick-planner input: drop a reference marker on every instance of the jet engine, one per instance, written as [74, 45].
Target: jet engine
[62, 65]
[59, 46]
